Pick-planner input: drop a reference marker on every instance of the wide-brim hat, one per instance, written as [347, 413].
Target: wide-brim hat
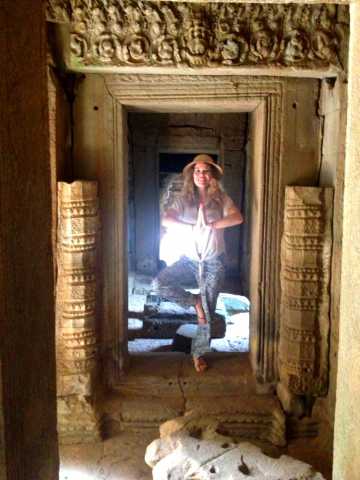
[204, 158]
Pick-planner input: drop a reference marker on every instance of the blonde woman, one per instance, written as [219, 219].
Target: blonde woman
[200, 213]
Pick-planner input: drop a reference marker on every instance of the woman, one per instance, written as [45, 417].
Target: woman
[200, 213]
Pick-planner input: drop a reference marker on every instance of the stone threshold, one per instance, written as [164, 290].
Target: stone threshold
[159, 387]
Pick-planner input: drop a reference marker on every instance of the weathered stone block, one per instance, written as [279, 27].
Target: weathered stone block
[185, 455]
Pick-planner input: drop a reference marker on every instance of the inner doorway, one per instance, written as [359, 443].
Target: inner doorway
[160, 145]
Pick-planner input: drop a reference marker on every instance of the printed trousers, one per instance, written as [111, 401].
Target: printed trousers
[209, 275]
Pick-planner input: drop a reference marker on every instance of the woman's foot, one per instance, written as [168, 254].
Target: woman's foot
[200, 312]
[200, 364]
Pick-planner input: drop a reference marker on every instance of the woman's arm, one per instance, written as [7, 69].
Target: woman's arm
[170, 218]
[233, 217]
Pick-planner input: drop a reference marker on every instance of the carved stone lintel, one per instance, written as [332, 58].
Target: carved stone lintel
[176, 34]
[78, 227]
[305, 277]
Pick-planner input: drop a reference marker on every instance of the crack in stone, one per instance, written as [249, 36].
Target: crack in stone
[243, 468]
[178, 378]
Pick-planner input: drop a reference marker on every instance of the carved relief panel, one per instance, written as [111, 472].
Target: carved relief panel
[178, 34]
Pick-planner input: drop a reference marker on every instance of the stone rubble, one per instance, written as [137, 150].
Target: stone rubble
[179, 455]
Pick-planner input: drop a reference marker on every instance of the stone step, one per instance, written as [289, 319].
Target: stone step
[159, 387]
[254, 417]
[173, 375]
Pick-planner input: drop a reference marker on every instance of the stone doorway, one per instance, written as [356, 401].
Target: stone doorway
[105, 129]
[160, 145]
[107, 340]
[283, 124]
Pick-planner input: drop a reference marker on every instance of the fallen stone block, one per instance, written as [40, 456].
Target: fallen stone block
[182, 456]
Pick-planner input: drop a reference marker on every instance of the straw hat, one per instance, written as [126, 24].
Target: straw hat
[203, 158]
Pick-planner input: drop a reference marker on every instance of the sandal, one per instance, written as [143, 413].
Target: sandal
[200, 364]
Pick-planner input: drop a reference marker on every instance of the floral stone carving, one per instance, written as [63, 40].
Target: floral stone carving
[173, 34]
[305, 300]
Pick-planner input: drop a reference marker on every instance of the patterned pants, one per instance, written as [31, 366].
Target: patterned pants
[209, 275]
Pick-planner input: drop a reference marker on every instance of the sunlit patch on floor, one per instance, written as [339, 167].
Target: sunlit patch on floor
[74, 474]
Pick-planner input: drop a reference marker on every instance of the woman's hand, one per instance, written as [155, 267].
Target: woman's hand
[202, 220]
[234, 217]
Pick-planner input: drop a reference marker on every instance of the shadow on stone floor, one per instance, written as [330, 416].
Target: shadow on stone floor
[117, 458]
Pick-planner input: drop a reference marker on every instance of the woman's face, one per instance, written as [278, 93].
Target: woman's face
[202, 175]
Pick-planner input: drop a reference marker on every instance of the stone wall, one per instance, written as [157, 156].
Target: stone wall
[60, 139]
[347, 413]
[60, 125]
[2, 432]
[332, 110]
[27, 309]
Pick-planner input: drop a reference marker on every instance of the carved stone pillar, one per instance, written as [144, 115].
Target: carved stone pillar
[305, 276]
[78, 229]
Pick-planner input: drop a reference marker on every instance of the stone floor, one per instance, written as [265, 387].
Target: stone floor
[121, 455]
[118, 458]
[162, 386]
[234, 308]
[155, 377]
[122, 458]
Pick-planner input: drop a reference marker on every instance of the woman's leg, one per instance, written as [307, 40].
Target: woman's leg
[200, 311]
[168, 283]
[214, 274]
[210, 278]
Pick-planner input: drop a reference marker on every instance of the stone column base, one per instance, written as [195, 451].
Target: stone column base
[79, 420]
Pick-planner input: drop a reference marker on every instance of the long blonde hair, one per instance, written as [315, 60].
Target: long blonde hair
[190, 193]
